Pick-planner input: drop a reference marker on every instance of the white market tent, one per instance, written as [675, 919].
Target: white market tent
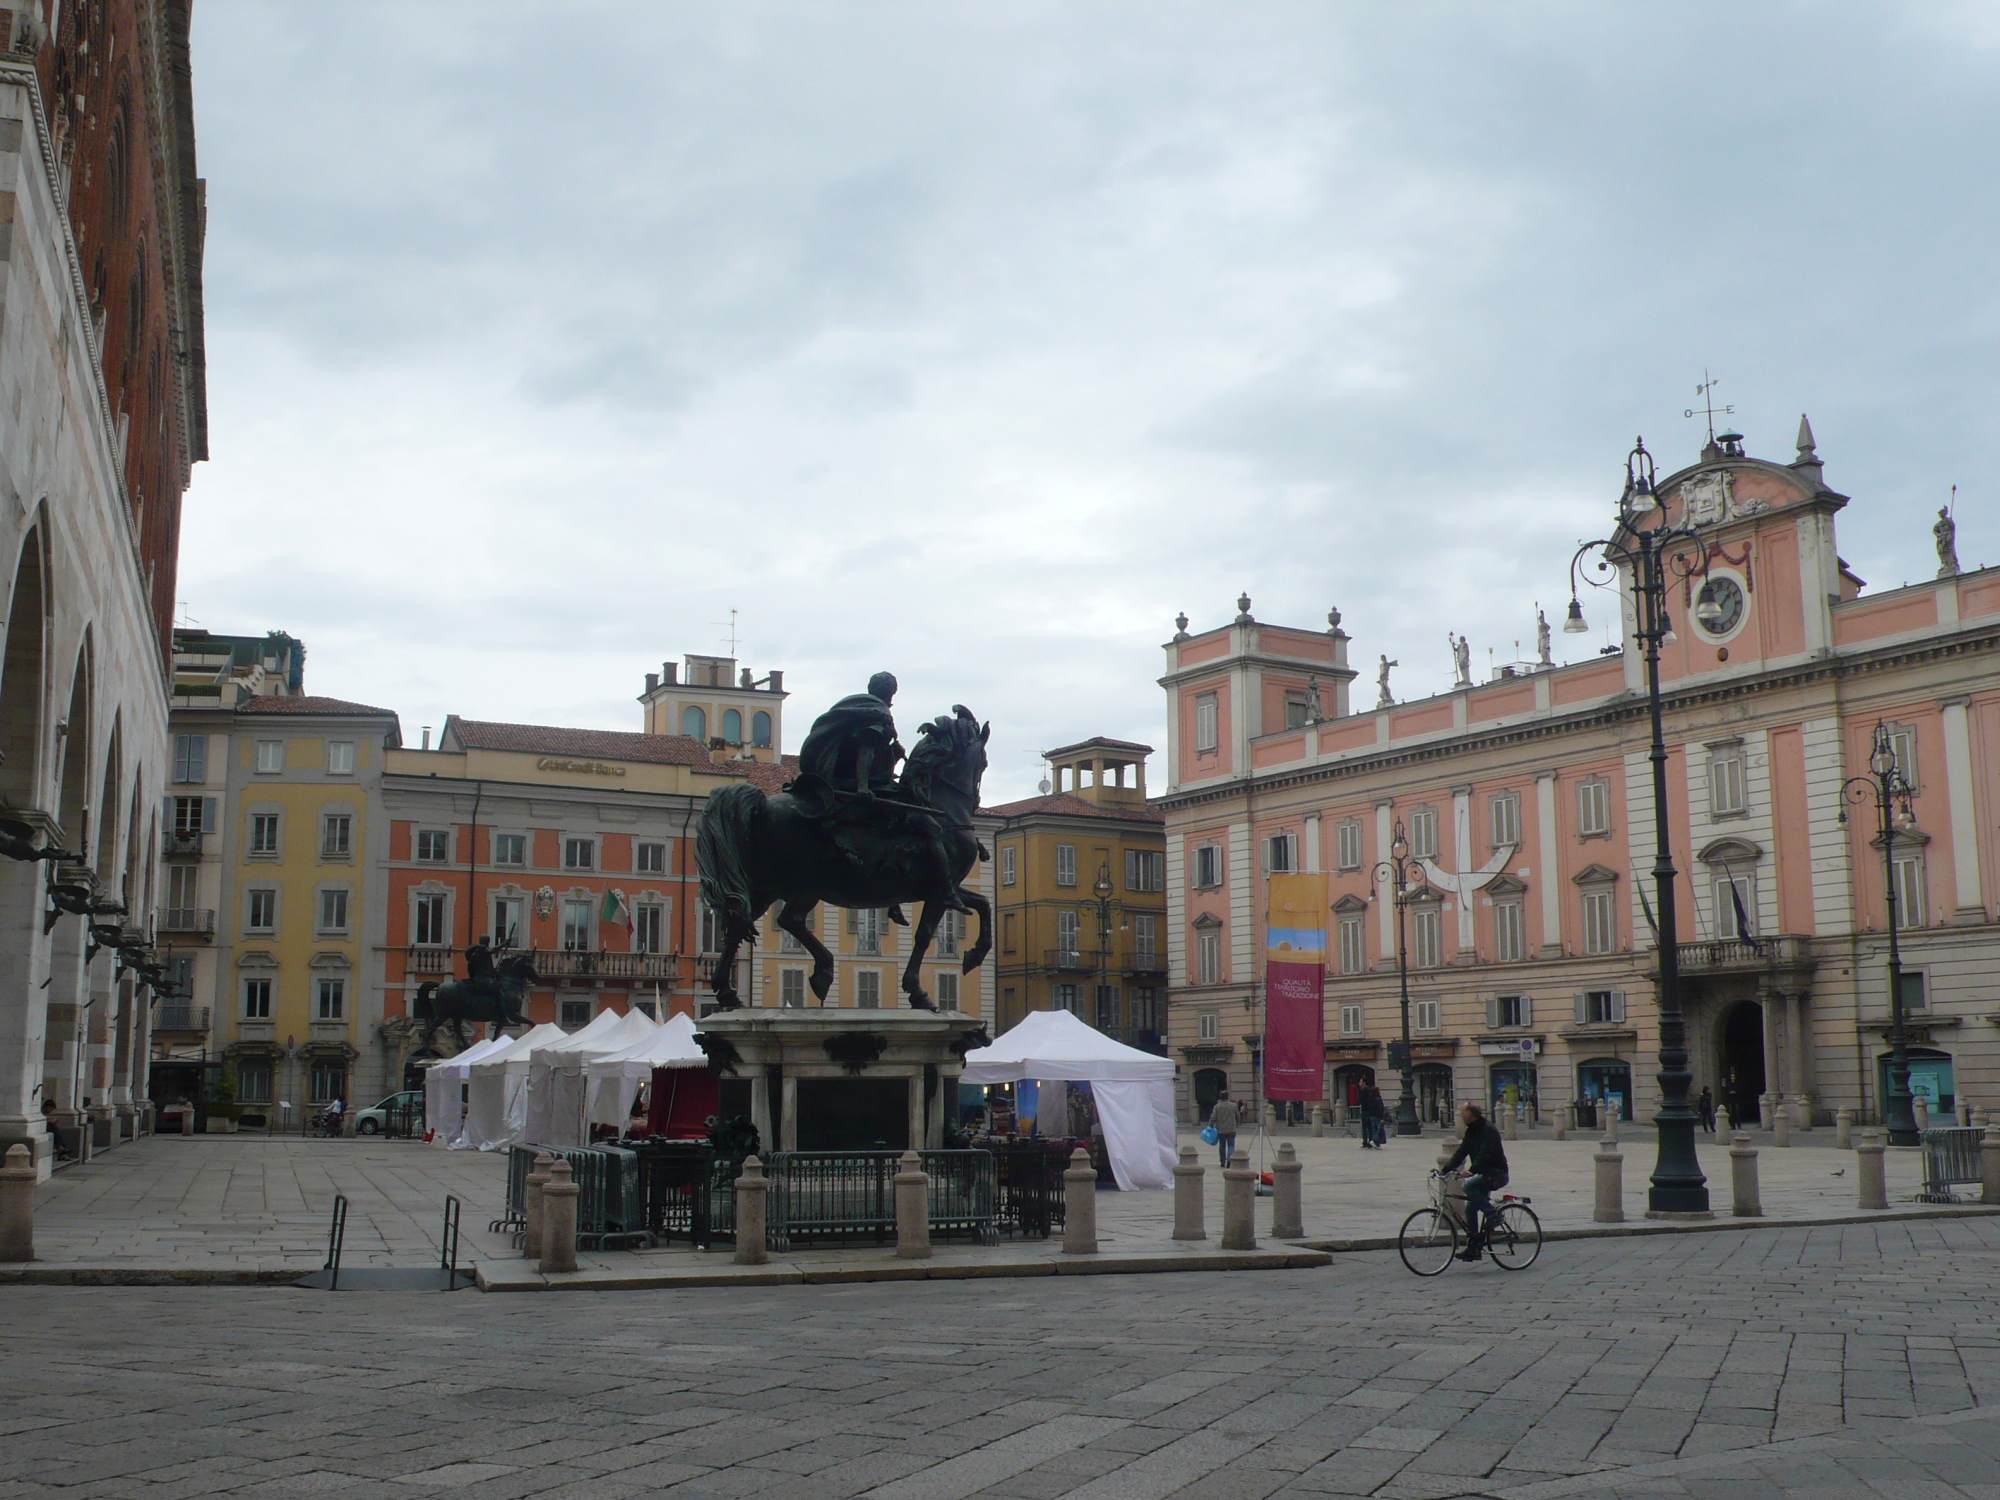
[614, 1081]
[554, 1109]
[498, 1092]
[1134, 1090]
[444, 1090]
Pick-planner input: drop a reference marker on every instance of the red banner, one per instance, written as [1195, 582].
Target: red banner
[1294, 1031]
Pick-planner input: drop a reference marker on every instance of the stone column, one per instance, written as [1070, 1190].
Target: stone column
[788, 1114]
[1239, 1224]
[760, 1106]
[1080, 1205]
[1989, 1165]
[559, 1195]
[17, 1205]
[531, 1203]
[24, 1008]
[1843, 1128]
[1609, 1207]
[1319, 1119]
[1767, 1010]
[1872, 1185]
[1801, 1081]
[752, 1192]
[1287, 1209]
[1745, 1202]
[1561, 1118]
[1188, 1205]
[913, 1208]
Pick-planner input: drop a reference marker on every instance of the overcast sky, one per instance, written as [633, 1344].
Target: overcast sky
[975, 341]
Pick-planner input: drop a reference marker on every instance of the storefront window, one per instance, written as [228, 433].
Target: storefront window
[1607, 1078]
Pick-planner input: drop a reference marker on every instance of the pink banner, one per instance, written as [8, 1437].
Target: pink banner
[1294, 1031]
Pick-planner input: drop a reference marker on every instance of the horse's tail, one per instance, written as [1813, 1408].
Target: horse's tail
[731, 818]
[422, 1004]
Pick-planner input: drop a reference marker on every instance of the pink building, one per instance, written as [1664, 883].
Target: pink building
[1529, 797]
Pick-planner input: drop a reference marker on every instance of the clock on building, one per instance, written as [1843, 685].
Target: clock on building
[1718, 608]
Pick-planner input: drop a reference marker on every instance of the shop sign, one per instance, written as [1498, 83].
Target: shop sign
[1525, 1047]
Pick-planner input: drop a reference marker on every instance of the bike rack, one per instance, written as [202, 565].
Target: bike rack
[336, 1241]
[448, 1244]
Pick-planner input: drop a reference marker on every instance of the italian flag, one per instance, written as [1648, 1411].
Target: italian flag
[615, 908]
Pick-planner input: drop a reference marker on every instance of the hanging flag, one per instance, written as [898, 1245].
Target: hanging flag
[1743, 918]
[1295, 987]
[1647, 907]
[614, 904]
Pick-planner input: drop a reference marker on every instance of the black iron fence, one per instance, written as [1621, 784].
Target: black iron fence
[1028, 1183]
[403, 1119]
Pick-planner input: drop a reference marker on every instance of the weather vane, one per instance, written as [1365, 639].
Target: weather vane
[1706, 390]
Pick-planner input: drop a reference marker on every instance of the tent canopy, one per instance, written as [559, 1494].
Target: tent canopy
[1054, 1044]
[520, 1049]
[461, 1064]
[669, 1045]
[591, 1038]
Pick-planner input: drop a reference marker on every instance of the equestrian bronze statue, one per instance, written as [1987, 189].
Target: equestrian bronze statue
[850, 832]
[490, 994]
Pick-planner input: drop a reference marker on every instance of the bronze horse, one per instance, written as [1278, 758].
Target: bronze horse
[866, 851]
[496, 1002]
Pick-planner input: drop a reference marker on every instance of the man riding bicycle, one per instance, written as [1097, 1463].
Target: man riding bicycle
[1482, 1151]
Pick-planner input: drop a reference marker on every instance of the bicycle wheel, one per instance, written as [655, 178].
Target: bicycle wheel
[1514, 1237]
[1427, 1242]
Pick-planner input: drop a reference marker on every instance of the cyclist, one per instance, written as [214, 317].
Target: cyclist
[1482, 1151]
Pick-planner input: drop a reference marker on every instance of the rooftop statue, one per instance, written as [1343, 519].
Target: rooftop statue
[851, 832]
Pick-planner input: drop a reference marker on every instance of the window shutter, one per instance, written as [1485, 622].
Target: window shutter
[1582, 1008]
[1617, 1005]
[1527, 1011]
[208, 815]
[166, 815]
[1492, 1012]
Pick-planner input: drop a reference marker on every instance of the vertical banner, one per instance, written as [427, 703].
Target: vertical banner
[1295, 987]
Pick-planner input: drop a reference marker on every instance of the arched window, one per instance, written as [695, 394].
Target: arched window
[760, 730]
[732, 726]
[694, 723]
[117, 189]
[135, 302]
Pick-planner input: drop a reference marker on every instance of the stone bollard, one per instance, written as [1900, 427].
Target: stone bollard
[1744, 1201]
[1601, 1122]
[1980, 1117]
[559, 1195]
[1239, 1225]
[1080, 1205]
[1319, 1119]
[1781, 1128]
[531, 1206]
[1871, 1184]
[1989, 1164]
[1287, 1208]
[1445, 1153]
[1561, 1118]
[1843, 1129]
[1508, 1128]
[1340, 1112]
[913, 1209]
[187, 1120]
[17, 1205]
[1610, 1205]
[752, 1200]
[1188, 1175]
[1920, 1107]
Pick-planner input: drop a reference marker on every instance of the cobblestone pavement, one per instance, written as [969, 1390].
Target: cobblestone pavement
[222, 1203]
[1860, 1360]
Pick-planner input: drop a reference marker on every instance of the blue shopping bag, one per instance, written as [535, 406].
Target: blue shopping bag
[1209, 1136]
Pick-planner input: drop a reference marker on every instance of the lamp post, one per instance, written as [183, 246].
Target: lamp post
[1102, 888]
[1396, 869]
[1890, 790]
[1658, 555]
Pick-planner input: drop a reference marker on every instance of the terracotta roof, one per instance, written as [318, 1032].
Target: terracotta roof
[1098, 740]
[1067, 805]
[307, 704]
[615, 744]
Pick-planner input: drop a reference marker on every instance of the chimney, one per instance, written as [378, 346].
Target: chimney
[652, 682]
[427, 737]
[777, 681]
[744, 680]
[669, 672]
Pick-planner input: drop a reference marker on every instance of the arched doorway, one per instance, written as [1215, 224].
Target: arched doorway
[1931, 1077]
[1606, 1078]
[21, 679]
[1743, 1060]
[1348, 1081]
[1208, 1086]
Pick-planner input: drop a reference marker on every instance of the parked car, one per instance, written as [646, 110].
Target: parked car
[375, 1119]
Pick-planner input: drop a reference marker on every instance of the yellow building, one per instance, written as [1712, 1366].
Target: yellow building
[275, 817]
[1081, 896]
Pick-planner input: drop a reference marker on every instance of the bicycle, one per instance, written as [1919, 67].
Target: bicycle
[1430, 1238]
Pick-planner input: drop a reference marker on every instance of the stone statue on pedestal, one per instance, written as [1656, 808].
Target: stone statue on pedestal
[1382, 683]
[1946, 533]
[1542, 638]
[1461, 659]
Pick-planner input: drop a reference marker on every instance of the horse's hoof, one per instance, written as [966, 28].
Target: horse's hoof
[971, 961]
[728, 1002]
[920, 1001]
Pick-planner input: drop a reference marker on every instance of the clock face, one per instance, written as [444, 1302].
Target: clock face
[1726, 595]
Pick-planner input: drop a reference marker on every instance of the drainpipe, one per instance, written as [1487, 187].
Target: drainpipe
[471, 868]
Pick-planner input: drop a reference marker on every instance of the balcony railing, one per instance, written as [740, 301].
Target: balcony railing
[431, 962]
[181, 1018]
[1069, 959]
[1134, 962]
[553, 963]
[1726, 955]
[188, 921]
[183, 843]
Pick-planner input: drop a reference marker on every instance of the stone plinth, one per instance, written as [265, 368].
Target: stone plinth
[780, 1050]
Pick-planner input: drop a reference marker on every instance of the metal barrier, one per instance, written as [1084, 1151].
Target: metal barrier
[514, 1217]
[336, 1241]
[448, 1244]
[835, 1195]
[1951, 1157]
[404, 1121]
[1028, 1180]
[674, 1189]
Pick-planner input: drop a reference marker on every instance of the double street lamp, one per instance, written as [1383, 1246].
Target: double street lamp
[1890, 790]
[1658, 555]
[1398, 869]
[1102, 888]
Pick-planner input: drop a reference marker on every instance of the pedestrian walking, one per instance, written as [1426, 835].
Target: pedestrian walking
[1222, 1117]
[1372, 1112]
[1706, 1104]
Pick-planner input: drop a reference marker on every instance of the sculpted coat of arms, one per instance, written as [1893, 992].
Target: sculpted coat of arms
[1705, 498]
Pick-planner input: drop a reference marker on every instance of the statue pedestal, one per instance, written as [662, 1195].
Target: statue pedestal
[845, 1080]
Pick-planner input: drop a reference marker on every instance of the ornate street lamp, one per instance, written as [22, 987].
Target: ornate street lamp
[1890, 790]
[1397, 869]
[1102, 888]
[1659, 555]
